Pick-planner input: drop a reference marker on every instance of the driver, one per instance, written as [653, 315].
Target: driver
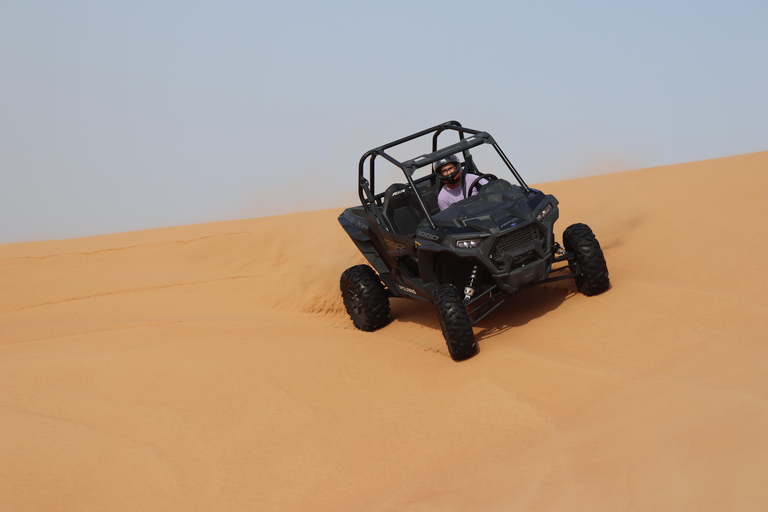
[454, 183]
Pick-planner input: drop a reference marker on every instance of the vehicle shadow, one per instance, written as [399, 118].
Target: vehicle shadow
[414, 312]
[521, 309]
[518, 310]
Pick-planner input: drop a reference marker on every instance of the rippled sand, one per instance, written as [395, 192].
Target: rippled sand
[212, 367]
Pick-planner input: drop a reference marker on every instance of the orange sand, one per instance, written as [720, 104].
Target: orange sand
[212, 368]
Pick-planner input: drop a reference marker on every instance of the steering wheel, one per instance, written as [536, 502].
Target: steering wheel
[477, 185]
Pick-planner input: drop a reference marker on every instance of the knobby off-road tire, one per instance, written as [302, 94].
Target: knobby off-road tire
[455, 323]
[590, 262]
[365, 298]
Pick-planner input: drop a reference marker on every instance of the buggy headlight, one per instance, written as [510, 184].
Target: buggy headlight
[469, 243]
[543, 213]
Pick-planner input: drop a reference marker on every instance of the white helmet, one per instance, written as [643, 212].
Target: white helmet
[454, 176]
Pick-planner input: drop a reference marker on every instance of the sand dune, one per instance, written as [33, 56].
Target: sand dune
[212, 367]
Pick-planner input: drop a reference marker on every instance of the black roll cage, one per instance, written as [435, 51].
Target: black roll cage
[366, 189]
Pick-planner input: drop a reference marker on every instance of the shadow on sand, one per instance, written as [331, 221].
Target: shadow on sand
[522, 308]
[516, 311]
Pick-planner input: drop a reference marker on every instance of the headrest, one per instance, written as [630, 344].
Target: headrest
[396, 196]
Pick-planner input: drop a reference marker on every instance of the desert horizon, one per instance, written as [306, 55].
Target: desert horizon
[213, 367]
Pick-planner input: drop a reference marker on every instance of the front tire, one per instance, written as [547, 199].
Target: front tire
[591, 269]
[454, 322]
[365, 298]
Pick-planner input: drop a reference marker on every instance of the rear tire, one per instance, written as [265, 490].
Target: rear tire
[454, 322]
[590, 261]
[365, 298]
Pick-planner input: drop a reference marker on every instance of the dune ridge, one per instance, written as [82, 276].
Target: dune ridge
[212, 367]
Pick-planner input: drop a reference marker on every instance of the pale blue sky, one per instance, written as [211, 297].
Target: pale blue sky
[119, 116]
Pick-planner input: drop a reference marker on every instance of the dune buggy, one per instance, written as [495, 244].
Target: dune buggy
[467, 259]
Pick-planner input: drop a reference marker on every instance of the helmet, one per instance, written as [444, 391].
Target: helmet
[454, 176]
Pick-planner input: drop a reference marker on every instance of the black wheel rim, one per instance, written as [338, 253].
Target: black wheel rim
[353, 300]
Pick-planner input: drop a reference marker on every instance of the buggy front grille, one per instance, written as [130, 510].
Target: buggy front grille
[519, 245]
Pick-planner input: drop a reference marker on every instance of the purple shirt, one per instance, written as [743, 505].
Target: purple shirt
[448, 196]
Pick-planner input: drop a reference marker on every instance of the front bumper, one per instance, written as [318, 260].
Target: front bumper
[523, 276]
